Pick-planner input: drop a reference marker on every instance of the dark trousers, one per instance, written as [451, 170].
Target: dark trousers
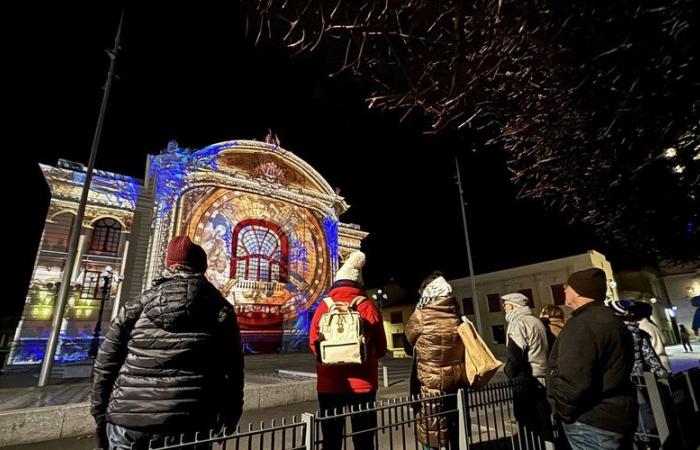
[334, 429]
[533, 414]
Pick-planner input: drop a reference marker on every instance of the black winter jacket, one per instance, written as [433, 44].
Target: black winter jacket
[588, 379]
[172, 360]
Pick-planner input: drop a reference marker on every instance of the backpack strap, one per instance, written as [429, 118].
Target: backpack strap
[356, 301]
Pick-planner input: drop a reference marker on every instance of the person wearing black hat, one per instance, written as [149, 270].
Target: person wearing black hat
[588, 378]
[171, 362]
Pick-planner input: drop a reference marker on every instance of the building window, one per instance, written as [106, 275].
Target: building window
[558, 296]
[91, 285]
[397, 340]
[57, 232]
[260, 250]
[105, 236]
[499, 334]
[468, 305]
[396, 317]
[494, 302]
[530, 299]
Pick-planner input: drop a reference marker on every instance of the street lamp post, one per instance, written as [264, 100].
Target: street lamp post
[380, 297]
[475, 295]
[107, 278]
[71, 255]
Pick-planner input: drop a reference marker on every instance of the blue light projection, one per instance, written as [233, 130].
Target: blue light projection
[30, 350]
[330, 227]
[114, 189]
[298, 253]
[170, 170]
[297, 333]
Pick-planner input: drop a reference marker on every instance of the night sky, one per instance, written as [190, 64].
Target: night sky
[193, 76]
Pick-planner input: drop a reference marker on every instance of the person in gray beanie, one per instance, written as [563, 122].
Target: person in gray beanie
[526, 364]
[588, 379]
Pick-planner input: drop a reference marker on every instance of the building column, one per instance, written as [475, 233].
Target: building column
[118, 294]
[82, 244]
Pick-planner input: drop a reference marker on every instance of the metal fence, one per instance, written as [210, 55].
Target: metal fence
[512, 416]
[278, 435]
[391, 424]
[669, 412]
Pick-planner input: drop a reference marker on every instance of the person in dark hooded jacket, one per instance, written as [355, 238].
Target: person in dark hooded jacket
[171, 362]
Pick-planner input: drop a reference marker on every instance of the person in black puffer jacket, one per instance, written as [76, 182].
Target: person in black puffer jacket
[171, 362]
[588, 379]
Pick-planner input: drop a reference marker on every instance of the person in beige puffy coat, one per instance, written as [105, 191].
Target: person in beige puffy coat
[439, 359]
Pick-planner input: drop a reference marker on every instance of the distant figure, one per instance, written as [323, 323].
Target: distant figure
[685, 339]
[171, 362]
[552, 317]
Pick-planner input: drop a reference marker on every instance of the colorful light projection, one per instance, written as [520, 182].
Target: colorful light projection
[74, 339]
[269, 258]
[111, 195]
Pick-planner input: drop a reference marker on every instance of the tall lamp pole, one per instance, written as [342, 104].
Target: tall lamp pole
[64, 290]
[475, 297]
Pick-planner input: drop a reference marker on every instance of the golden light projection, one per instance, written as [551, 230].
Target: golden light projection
[269, 258]
[269, 225]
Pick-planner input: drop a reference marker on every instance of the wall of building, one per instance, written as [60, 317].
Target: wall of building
[394, 327]
[541, 282]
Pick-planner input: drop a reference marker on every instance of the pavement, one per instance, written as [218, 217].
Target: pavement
[18, 388]
[680, 359]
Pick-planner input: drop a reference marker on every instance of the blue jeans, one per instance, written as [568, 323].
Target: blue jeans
[586, 437]
[121, 438]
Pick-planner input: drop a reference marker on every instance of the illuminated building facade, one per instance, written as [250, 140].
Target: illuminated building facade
[267, 220]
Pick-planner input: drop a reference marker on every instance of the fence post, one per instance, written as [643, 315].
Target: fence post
[657, 407]
[310, 434]
[463, 411]
[691, 390]
[385, 372]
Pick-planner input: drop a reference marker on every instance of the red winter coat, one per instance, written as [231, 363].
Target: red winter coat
[357, 379]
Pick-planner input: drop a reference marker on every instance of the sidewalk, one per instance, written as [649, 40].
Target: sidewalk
[18, 388]
[681, 360]
[249, 417]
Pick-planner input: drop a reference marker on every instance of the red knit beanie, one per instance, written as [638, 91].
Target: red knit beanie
[183, 252]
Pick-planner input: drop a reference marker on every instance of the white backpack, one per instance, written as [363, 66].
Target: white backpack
[341, 335]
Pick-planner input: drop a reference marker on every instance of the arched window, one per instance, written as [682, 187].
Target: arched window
[260, 250]
[105, 236]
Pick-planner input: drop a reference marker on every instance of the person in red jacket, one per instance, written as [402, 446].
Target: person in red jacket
[344, 386]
